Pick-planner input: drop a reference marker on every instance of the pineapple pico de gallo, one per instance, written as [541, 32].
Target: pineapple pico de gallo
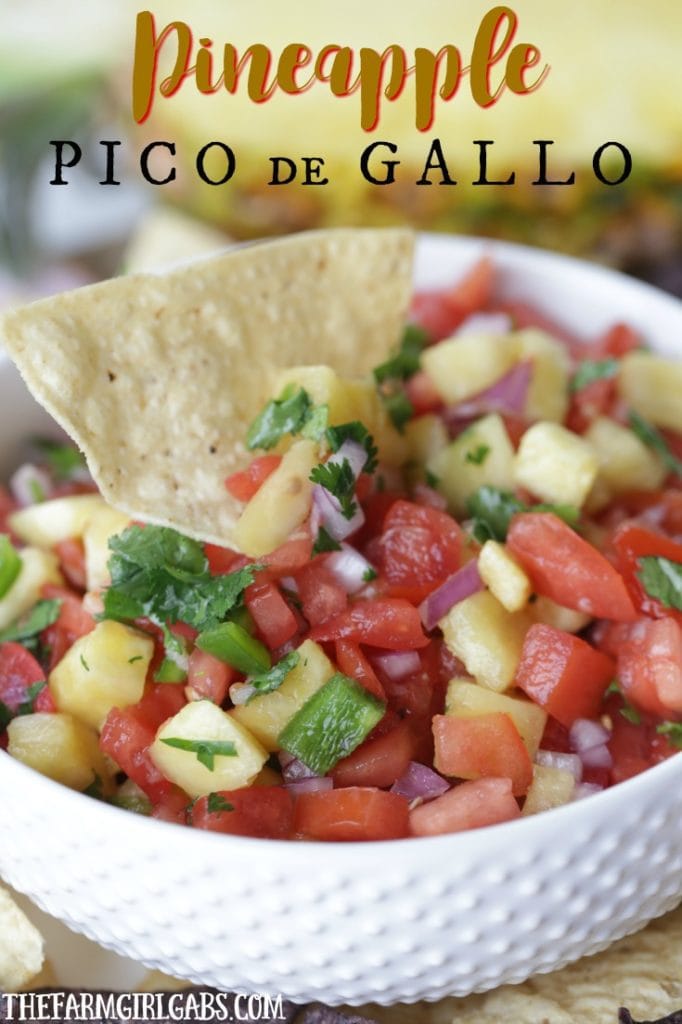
[457, 597]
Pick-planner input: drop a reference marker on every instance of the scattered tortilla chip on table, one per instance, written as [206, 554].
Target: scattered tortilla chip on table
[21, 946]
[156, 378]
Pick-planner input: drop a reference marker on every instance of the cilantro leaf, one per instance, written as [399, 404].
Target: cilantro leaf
[217, 803]
[315, 423]
[662, 579]
[652, 438]
[369, 575]
[673, 730]
[159, 573]
[591, 370]
[492, 510]
[399, 408]
[42, 615]
[631, 714]
[292, 413]
[338, 479]
[325, 542]
[205, 750]
[63, 460]
[405, 361]
[266, 682]
[357, 432]
[478, 455]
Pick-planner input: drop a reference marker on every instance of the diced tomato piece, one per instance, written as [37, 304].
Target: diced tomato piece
[71, 555]
[617, 341]
[567, 568]
[352, 662]
[563, 674]
[45, 702]
[208, 677]
[422, 394]
[392, 623]
[378, 762]
[247, 482]
[634, 746]
[266, 812]
[220, 560]
[481, 747]
[650, 666]
[7, 506]
[469, 805]
[321, 597]
[127, 740]
[172, 806]
[356, 813]
[441, 311]
[18, 671]
[524, 314]
[274, 619]
[555, 737]
[294, 554]
[633, 542]
[595, 399]
[375, 508]
[159, 703]
[73, 622]
[418, 549]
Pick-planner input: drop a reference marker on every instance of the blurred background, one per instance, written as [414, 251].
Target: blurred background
[65, 73]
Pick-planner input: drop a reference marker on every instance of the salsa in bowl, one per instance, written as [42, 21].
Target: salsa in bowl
[421, 729]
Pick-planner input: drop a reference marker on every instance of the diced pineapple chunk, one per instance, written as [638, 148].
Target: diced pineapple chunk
[483, 454]
[465, 699]
[59, 746]
[487, 638]
[501, 572]
[102, 670]
[555, 464]
[280, 505]
[425, 436]
[551, 787]
[104, 523]
[625, 463]
[37, 568]
[543, 609]
[462, 366]
[548, 391]
[199, 722]
[266, 716]
[652, 387]
[50, 522]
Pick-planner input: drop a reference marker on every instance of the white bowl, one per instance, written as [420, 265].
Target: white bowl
[396, 921]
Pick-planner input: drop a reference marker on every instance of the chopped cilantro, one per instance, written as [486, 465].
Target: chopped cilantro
[652, 438]
[27, 707]
[662, 579]
[613, 687]
[631, 714]
[292, 413]
[492, 510]
[354, 431]
[10, 564]
[158, 573]
[266, 682]
[42, 615]
[6, 716]
[478, 455]
[325, 542]
[136, 657]
[217, 803]
[405, 361]
[399, 408]
[431, 479]
[85, 664]
[205, 750]
[63, 460]
[591, 370]
[338, 479]
[673, 730]
[369, 575]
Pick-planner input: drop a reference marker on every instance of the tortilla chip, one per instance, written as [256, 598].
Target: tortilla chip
[21, 947]
[156, 378]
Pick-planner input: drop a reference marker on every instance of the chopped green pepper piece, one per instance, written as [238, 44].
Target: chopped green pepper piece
[231, 643]
[331, 724]
[10, 564]
[170, 672]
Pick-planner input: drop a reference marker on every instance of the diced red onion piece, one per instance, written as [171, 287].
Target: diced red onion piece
[586, 734]
[463, 583]
[310, 785]
[398, 664]
[586, 789]
[30, 485]
[485, 323]
[294, 770]
[353, 453]
[597, 757]
[564, 762]
[289, 583]
[331, 516]
[420, 782]
[508, 394]
[424, 495]
[349, 568]
[241, 693]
